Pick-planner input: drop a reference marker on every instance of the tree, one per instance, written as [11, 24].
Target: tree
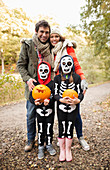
[14, 24]
[95, 17]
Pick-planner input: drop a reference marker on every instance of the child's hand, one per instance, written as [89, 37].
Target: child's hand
[74, 101]
[37, 102]
[65, 100]
[46, 102]
[68, 100]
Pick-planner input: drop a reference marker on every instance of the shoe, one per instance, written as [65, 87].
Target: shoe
[62, 156]
[68, 144]
[50, 149]
[40, 152]
[84, 144]
[29, 146]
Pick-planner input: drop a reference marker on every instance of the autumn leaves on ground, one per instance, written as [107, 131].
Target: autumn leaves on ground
[95, 111]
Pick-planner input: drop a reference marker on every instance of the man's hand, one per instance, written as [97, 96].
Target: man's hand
[84, 86]
[30, 84]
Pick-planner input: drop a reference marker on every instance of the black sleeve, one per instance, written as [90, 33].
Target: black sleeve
[78, 86]
[57, 82]
[51, 87]
[31, 99]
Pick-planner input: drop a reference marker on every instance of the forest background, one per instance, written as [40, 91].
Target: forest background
[92, 37]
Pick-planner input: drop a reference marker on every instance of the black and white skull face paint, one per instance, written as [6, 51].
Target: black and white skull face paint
[66, 64]
[43, 71]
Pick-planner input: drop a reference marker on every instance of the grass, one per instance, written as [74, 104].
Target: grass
[11, 89]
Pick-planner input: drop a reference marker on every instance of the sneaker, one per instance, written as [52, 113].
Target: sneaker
[29, 146]
[84, 144]
[40, 152]
[50, 149]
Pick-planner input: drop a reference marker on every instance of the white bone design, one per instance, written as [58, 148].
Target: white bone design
[63, 87]
[69, 126]
[49, 140]
[39, 111]
[72, 107]
[39, 135]
[56, 88]
[49, 111]
[63, 122]
[40, 124]
[64, 108]
[48, 127]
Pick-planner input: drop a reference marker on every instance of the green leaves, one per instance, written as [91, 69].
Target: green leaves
[95, 17]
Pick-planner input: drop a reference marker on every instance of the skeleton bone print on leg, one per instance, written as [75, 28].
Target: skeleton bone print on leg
[48, 128]
[41, 132]
[68, 128]
[43, 71]
[39, 138]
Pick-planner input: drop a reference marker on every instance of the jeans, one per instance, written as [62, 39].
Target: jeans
[31, 121]
[78, 124]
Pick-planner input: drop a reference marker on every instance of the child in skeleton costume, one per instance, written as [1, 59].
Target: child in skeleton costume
[44, 111]
[67, 108]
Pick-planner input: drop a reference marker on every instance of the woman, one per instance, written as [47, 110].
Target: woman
[61, 47]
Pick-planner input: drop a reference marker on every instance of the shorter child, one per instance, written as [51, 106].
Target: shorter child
[67, 108]
[44, 111]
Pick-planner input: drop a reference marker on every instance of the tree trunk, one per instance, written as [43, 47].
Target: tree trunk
[3, 68]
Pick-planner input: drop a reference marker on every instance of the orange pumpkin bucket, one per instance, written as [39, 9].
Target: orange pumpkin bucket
[70, 93]
[41, 92]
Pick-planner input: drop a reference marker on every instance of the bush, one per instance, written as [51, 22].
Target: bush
[11, 88]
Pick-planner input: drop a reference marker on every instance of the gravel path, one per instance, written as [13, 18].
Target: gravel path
[96, 128]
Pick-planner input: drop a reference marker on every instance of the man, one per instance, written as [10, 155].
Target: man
[32, 51]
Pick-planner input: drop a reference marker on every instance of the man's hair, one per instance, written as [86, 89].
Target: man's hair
[42, 23]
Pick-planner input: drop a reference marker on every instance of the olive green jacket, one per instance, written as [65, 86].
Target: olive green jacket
[27, 62]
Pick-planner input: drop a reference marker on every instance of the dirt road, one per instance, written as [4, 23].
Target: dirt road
[96, 129]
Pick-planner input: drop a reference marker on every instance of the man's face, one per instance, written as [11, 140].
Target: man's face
[43, 34]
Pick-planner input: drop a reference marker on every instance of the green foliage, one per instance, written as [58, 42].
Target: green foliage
[11, 88]
[95, 19]
[90, 64]
[14, 25]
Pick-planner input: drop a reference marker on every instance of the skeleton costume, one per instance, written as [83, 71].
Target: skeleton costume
[45, 114]
[67, 79]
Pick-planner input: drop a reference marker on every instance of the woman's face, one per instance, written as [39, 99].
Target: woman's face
[54, 39]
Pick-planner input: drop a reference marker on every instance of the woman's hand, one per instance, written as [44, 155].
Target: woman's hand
[46, 102]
